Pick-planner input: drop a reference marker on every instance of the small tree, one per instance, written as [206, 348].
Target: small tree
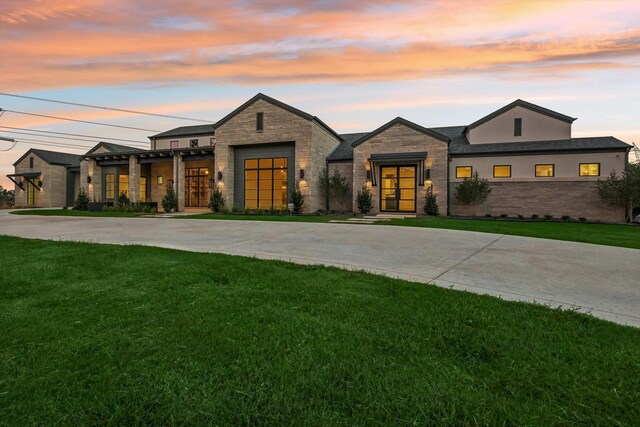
[169, 201]
[7, 197]
[82, 201]
[297, 198]
[473, 191]
[216, 200]
[123, 200]
[339, 186]
[431, 204]
[325, 185]
[622, 191]
[364, 201]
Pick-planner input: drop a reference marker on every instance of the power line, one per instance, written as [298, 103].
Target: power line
[75, 134]
[104, 108]
[60, 137]
[51, 144]
[79, 121]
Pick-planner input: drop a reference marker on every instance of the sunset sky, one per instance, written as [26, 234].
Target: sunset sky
[354, 64]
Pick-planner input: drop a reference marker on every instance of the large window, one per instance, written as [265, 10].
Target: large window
[464, 171]
[502, 171]
[544, 170]
[32, 194]
[142, 196]
[589, 169]
[265, 183]
[109, 186]
[123, 185]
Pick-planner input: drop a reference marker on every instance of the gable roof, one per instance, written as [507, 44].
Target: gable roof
[344, 150]
[186, 131]
[523, 104]
[405, 122]
[53, 157]
[280, 104]
[600, 143]
[113, 148]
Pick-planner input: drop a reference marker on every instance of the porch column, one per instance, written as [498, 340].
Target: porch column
[179, 180]
[134, 179]
[93, 171]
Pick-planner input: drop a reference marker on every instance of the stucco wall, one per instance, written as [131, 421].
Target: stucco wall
[535, 127]
[183, 142]
[402, 139]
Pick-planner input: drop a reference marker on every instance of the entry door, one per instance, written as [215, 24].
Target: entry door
[196, 187]
[398, 189]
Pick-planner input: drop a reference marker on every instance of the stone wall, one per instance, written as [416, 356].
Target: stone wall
[54, 183]
[158, 191]
[558, 198]
[402, 139]
[322, 145]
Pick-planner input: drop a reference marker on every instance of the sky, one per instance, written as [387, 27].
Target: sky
[355, 64]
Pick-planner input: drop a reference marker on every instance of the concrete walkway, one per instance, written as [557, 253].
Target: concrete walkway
[602, 280]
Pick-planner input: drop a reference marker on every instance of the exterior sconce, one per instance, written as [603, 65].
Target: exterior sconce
[427, 174]
[88, 180]
[301, 173]
[368, 175]
[371, 173]
[219, 176]
[40, 184]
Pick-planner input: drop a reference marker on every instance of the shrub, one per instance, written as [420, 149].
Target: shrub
[224, 210]
[339, 187]
[216, 200]
[582, 219]
[123, 200]
[297, 198]
[566, 218]
[247, 211]
[534, 216]
[503, 215]
[622, 191]
[235, 209]
[548, 216]
[273, 211]
[364, 201]
[82, 201]
[487, 215]
[169, 202]
[520, 216]
[431, 205]
[473, 191]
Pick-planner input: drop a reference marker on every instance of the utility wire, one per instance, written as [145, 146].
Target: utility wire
[51, 144]
[79, 121]
[60, 137]
[101, 138]
[104, 108]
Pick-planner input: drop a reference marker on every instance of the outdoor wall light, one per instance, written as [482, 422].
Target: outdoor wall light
[88, 180]
[39, 183]
[427, 174]
[301, 173]
[368, 175]
[219, 176]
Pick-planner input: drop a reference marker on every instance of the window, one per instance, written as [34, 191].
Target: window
[32, 194]
[174, 144]
[123, 185]
[159, 179]
[464, 171]
[30, 162]
[589, 169]
[109, 186]
[265, 183]
[193, 143]
[502, 171]
[544, 170]
[142, 196]
[260, 121]
[517, 127]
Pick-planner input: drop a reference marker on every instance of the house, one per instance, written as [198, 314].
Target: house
[258, 152]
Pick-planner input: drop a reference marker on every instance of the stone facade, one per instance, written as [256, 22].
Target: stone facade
[557, 198]
[311, 146]
[165, 170]
[402, 139]
[54, 183]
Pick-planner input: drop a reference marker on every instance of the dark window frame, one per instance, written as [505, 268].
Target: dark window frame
[30, 162]
[259, 122]
[258, 169]
[501, 166]
[459, 167]
[589, 163]
[106, 196]
[193, 143]
[553, 170]
[33, 196]
[517, 126]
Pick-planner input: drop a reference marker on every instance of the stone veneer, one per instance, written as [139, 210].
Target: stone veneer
[312, 145]
[558, 198]
[54, 183]
[402, 139]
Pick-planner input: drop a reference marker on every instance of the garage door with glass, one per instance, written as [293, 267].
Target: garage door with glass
[398, 188]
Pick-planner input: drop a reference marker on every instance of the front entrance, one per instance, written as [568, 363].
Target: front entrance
[398, 189]
[196, 187]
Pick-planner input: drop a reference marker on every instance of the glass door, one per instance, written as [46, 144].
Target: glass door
[196, 187]
[398, 189]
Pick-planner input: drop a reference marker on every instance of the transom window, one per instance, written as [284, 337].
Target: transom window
[502, 171]
[589, 169]
[464, 171]
[544, 170]
[174, 144]
[265, 183]
[109, 186]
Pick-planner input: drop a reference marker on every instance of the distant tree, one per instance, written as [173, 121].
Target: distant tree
[216, 201]
[7, 197]
[325, 185]
[622, 191]
[82, 201]
[364, 201]
[473, 191]
[339, 186]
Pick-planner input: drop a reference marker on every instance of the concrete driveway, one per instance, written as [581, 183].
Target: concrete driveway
[602, 280]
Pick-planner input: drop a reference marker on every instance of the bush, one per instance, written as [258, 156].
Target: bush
[169, 202]
[473, 191]
[548, 217]
[488, 215]
[82, 201]
[216, 200]
[534, 216]
[520, 216]
[123, 200]
[235, 209]
[566, 218]
[503, 215]
[247, 211]
[364, 200]
[297, 198]
[431, 205]
[582, 219]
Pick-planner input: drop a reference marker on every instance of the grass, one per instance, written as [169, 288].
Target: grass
[71, 212]
[101, 334]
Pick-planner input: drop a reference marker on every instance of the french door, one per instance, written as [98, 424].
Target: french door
[398, 189]
[196, 187]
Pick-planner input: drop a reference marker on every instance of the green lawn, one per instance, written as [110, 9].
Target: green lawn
[101, 334]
